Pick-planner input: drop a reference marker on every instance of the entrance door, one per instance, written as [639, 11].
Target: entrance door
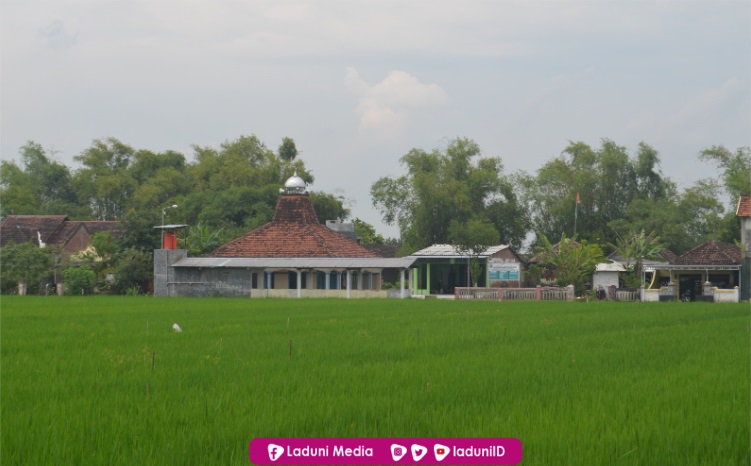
[689, 287]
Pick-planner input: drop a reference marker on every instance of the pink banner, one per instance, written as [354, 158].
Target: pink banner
[385, 451]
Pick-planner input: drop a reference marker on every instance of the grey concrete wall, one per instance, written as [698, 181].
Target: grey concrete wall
[210, 282]
[163, 270]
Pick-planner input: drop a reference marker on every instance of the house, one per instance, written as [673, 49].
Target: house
[294, 255]
[710, 271]
[440, 268]
[69, 237]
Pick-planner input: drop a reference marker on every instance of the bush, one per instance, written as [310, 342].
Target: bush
[79, 280]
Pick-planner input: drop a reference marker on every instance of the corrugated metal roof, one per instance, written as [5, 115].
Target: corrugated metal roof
[450, 251]
[612, 267]
[298, 262]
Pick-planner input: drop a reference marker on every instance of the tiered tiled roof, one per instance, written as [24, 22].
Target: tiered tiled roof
[744, 207]
[711, 253]
[294, 231]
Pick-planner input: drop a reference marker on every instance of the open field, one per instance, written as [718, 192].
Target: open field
[104, 380]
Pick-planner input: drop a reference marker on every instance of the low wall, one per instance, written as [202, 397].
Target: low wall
[516, 294]
[726, 296]
[292, 294]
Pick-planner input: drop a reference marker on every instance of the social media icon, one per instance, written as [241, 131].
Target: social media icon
[418, 451]
[440, 451]
[275, 451]
[398, 452]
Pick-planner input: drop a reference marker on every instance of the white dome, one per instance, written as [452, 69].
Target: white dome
[295, 184]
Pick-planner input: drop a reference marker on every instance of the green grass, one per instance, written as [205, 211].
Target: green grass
[104, 380]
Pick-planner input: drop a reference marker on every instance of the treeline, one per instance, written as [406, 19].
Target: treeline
[222, 193]
[599, 194]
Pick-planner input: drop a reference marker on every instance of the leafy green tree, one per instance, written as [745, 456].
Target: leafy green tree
[607, 181]
[736, 168]
[104, 180]
[202, 239]
[471, 238]
[287, 150]
[40, 186]
[27, 263]
[79, 280]
[571, 262]
[134, 269]
[454, 183]
[367, 233]
[328, 206]
[637, 246]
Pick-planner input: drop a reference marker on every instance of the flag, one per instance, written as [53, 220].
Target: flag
[578, 200]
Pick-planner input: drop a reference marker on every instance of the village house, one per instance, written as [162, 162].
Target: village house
[70, 238]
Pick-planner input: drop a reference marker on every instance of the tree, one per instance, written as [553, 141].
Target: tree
[202, 239]
[27, 264]
[134, 269]
[736, 168]
[104, 180]
[453, 183]
[367, 233]
[606, 180]
[79, 280]
[571, 262]
[287, 150]
[637, 247]
[40, 186]
[471, 238]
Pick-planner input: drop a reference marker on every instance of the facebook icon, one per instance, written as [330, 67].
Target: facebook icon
[275, 451]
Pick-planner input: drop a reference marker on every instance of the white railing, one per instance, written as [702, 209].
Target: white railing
[516, 294]
[627, 295]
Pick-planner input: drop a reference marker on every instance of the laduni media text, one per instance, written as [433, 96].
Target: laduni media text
[336, 451]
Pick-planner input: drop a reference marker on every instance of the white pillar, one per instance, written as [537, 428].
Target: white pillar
[360, 277]
[299, 283]
[402, 283]
[349, 284]
[328, 280]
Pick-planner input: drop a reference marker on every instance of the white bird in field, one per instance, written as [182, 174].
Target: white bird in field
[176, 328]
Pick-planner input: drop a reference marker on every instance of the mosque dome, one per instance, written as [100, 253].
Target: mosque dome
[294, 185]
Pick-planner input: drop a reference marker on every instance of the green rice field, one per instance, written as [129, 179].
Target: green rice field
[105, 380]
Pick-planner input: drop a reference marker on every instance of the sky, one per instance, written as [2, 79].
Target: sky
[358, 83]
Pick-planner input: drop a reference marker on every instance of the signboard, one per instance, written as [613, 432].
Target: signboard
[500, 269]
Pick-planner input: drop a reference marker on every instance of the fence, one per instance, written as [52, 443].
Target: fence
[516, 294]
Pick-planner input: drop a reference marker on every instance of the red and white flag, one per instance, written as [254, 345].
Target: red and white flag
[578, 200]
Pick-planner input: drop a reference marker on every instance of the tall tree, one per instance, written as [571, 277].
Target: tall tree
[736, 168]
[104, 180]
[39, 186]
[472, 238]
[453, 183]
[287, 150]
[606, 180]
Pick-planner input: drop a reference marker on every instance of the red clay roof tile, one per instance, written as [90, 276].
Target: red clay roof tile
[294, 231]
[711, 253]
[744, 207]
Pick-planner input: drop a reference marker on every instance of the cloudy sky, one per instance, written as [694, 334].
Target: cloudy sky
[359, 83]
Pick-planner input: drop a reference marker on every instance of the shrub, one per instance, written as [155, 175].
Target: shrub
[79, 280]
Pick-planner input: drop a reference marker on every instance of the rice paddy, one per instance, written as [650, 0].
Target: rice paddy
[106, 380]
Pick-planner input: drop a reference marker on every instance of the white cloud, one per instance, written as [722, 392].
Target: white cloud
[387, 107]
